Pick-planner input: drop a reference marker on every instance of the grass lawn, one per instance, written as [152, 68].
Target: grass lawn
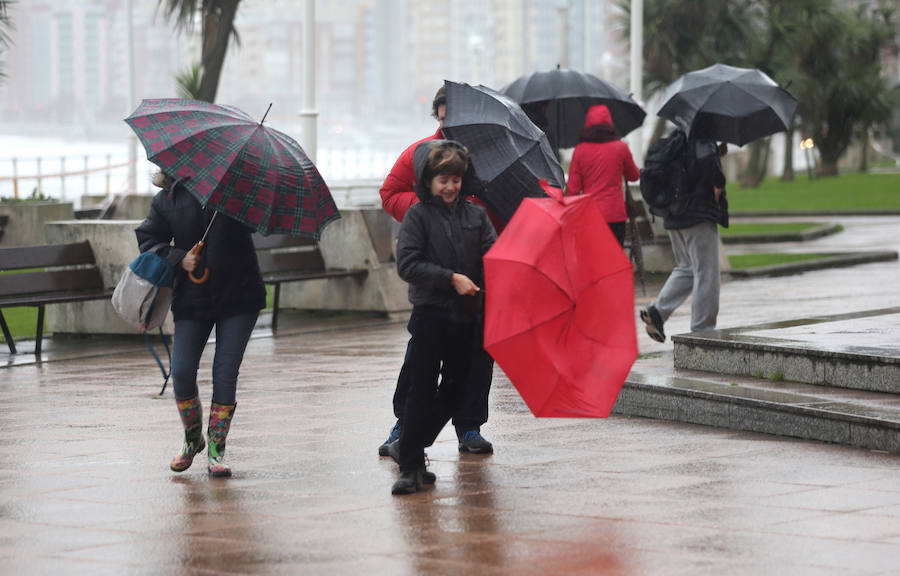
[850, 192]
[744, 228]
[744, 261]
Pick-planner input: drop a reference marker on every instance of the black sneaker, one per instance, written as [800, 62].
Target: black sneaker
[474, 443]
[654, 323]
[394, 435]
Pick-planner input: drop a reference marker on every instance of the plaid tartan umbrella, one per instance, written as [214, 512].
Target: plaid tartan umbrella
[509, 153]
[231, 162]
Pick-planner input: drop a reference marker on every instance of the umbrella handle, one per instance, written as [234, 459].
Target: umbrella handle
[205, 276]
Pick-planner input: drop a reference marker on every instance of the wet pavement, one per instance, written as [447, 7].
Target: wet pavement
[85, 485]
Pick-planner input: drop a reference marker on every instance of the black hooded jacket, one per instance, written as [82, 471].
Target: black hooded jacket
[706, 173]
[437, 240]
[235, 285]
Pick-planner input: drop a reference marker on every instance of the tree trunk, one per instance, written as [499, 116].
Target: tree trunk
[755, 170]
[658, 129]
[788, 174]
[864, 153]
[217, 30]
[828, 169]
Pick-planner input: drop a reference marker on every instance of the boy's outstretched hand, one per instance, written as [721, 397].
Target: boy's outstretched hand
[463, 285]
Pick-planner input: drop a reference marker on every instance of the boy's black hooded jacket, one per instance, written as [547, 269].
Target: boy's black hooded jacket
[438, 239]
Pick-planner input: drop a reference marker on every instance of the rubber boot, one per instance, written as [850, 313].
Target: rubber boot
[219, 422]
[191, 412]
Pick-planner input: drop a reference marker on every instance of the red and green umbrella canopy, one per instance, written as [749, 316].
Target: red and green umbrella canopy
[233, 163]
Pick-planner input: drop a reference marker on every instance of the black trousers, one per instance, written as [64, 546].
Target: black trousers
[618, 230]
[436, 347]
[473, 405]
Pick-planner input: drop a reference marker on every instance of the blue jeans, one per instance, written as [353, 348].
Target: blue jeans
[232, 335]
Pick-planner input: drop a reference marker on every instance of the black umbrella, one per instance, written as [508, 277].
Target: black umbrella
[736, 105]
[558, 100]
[509, 153]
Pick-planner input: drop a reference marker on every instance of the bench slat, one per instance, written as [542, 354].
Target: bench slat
[19, 257]
[297, 275]
[34, 284]
[54, 298]
[300, 261]
[261, 242]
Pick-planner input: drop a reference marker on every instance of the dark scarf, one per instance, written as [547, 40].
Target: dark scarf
[599, 133]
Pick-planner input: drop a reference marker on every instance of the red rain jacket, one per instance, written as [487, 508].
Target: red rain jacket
[398, 190]
[597, 169]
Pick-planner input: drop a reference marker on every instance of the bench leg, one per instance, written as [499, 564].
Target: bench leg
[6, 334]
[275, 298]
[40, 331]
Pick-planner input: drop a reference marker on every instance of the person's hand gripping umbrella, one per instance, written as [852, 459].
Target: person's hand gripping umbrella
[195, 255]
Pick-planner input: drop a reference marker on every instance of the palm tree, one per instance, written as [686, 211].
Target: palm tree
[189, 82]
[841, 88]
[217, 25]
[5, 28]
[685, 35]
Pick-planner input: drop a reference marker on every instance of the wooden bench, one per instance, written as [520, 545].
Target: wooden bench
[51, 274]
[292, 259]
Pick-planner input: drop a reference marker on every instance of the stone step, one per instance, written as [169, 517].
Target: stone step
[856, 350]
[857, 418]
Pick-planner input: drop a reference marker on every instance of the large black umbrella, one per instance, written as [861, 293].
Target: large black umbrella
[558, 100]
[509, 153]
[736, 105]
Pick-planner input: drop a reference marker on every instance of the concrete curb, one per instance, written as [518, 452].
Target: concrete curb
[801, 236]
[837, 260]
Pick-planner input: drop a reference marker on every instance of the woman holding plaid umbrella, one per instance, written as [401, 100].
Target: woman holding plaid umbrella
[230, 301]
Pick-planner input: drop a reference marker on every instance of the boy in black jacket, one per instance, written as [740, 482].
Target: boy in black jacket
[439, 253]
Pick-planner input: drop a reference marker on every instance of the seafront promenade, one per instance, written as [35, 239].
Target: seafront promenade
[85, 445]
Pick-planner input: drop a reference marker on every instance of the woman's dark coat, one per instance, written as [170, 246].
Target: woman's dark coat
[235, 285]
[437, 240]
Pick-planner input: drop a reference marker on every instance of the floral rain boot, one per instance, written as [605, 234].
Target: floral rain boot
[219, 422]
[191, 412]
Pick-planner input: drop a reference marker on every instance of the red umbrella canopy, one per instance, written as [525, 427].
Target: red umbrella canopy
[559, 312]
[233, 163]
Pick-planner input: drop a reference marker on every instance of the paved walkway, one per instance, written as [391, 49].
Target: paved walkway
[85, 487]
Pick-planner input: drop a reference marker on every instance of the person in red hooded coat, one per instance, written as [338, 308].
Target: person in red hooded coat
[599, 163]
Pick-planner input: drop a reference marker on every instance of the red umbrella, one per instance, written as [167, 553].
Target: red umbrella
[559, 314]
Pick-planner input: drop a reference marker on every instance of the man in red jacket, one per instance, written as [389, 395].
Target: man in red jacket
[397, 195]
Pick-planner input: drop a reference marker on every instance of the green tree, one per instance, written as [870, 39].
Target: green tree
[5, 29]
[685, 35]
[189, 82]
[217, 30]
[840, 87]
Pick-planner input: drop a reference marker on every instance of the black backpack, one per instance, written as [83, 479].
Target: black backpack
[665, 177]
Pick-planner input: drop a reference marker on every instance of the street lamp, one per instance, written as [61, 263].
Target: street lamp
[807, 145]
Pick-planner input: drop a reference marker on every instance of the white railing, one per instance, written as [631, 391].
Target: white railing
[354, 175]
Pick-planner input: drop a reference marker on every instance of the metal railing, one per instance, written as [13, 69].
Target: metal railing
[351, 172]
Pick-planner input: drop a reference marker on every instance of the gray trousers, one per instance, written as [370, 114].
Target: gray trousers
[696, 274]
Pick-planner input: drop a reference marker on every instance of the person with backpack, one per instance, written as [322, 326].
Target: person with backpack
[699, 207]
[229, 300]
[599, 163]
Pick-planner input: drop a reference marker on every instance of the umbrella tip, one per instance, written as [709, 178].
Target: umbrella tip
[266, 114]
